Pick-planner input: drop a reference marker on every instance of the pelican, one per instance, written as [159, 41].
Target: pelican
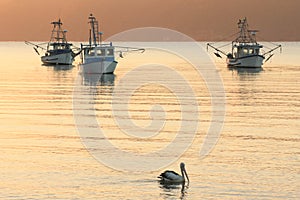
[173, 177]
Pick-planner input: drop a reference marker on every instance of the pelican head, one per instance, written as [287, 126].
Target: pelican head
[183, 172]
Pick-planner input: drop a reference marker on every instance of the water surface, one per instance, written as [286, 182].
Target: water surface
[43, 157]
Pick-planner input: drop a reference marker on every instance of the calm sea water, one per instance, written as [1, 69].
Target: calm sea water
[44, 156]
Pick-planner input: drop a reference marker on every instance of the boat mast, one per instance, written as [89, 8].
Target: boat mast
[94, 33]
[57, 35]
[245, 35]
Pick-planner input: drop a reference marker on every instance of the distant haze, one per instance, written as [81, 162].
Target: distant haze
[277, 20]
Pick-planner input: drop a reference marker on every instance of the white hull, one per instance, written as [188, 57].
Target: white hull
[247, 62]
[62, 59]
[103, 67]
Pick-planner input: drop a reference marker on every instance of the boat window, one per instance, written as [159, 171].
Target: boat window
[257, 51]
[110, 52]
[234, 51]
[251, 51]
[100, 52]
[91, 52]
[245, 51]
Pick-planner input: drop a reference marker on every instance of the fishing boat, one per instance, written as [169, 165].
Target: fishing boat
[97, 57]
[59, 50]
[245, 52]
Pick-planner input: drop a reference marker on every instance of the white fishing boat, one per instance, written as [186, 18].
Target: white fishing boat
[245, 50]
[97, 57]
[59, 50]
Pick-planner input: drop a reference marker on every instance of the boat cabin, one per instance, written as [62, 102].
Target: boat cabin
[98, 53]
[241, 50]
[58, 48]
[57, 45]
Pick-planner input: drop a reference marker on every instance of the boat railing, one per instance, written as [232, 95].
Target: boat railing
[99, 45]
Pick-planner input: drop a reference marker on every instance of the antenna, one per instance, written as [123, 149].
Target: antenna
[94, 30]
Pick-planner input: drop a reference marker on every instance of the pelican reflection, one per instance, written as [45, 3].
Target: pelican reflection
[170, 190]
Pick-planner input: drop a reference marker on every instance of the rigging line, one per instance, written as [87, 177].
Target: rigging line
[263, 39]
[226, 38]
[268, 47]
[224, 45]
[43, 43]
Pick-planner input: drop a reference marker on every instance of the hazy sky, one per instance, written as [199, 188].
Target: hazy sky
[200, 19]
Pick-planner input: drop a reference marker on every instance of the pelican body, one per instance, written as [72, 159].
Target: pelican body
[173, 177]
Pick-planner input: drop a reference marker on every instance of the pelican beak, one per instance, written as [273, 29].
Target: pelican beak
[187, 177]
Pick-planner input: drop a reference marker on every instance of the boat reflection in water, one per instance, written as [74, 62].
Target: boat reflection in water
[98, 79]
[246, 74]
[249, 71]
[60, 67]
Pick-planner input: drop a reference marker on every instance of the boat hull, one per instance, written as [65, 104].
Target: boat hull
[102, 67]
[59, 59]
[254, 61]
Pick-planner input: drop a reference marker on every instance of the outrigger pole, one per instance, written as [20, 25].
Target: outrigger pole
[270, 51]
[218, 50]
[35, 47]
[128, 49]
[278, 46]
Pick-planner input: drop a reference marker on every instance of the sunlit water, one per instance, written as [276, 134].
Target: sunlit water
[42, 155]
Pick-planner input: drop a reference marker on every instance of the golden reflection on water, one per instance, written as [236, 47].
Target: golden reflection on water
[143, 99]
[42, 157]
